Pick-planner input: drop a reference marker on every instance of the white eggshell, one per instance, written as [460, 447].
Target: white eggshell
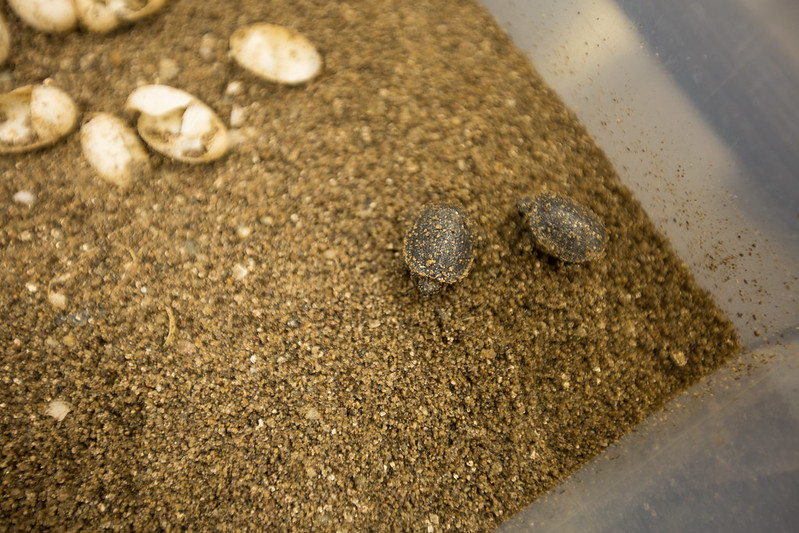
[34, 116]
[57, 300]
[5, 40]
[128, 12]
[105, 15]
[58, 409]
[178, 125]
[158, 100]
[49, 16]
[198, 121]
[16, 130]
[53, 113]
[25, 198]
[113, 149]
[96, 16]
[275, 53]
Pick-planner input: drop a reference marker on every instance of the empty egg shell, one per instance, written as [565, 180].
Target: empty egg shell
[50, 16]
[113, 149]
[275, 53]
[177, 124]
[105, 15]
[34, 116]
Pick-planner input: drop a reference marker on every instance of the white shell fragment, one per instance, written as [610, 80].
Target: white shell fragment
[57, 300]
[177, 124]
[50, 16]
[58, 409]
[5, 40]
[276, 53]
[113, 150]
[26, 198]
[34, 116]
[105, 15]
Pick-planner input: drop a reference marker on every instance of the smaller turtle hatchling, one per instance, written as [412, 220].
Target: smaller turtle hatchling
[563, 228]
[439, 247]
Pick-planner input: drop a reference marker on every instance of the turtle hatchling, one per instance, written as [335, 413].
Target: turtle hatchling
[563, 228]
[439, 248]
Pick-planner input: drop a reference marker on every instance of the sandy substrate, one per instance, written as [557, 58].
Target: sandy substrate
[241, 344]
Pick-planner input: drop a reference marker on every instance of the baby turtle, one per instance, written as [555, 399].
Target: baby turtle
[439, 247]
[564, 229]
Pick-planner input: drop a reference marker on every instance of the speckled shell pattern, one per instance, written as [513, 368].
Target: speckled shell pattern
[439, 245]
[564, 229]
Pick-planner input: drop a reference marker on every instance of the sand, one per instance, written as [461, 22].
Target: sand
[240, 344]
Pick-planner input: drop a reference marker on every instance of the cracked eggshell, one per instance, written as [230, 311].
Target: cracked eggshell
[177, 124]
[113, 149]
[105, 15]
[275, 53]
[5, 40]
[50, 16]
[34, 116]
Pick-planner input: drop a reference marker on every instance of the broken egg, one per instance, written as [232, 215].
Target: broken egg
[113, 149]
[34, 116]
[50, 16]
[177, 124]
[275, 53]
[105, 15]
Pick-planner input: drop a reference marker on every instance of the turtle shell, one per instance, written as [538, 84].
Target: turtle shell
[563, 228]
[439, 246]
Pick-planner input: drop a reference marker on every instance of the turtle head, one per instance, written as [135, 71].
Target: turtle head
[525, 205]
[428, 286]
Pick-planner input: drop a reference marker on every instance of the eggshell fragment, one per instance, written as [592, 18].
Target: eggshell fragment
[57, 300]
[275, 53]
[49, 16]
[113, 150]
[23, 197]
[177, 124]
[58, 409]
[34, 116]
[106, 15]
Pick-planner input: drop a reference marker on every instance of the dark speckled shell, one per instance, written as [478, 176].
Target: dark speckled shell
[564, 229]
[439, 246]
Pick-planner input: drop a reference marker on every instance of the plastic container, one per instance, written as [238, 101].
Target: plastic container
[697, 105]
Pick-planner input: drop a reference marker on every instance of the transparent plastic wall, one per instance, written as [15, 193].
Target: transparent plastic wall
[697, 105]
